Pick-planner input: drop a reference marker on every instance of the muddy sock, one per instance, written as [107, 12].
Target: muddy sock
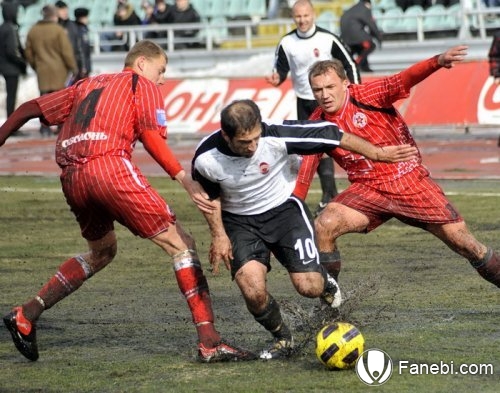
[194, 286]
[489, 267]
[70, 276]
[272, 321]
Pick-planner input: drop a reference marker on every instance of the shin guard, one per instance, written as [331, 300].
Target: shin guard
[194, 286]
[70, 276]
[272, 321]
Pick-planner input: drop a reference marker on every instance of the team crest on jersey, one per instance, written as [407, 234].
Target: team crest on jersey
[316, 52]
[359, 120]
[161, 117]
[264, 168]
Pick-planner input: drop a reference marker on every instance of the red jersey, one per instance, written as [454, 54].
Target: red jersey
[96, 116]
[368, 112]
[383, 190]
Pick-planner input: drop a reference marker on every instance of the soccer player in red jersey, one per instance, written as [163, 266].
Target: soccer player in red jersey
[380, 191]
[102, 118]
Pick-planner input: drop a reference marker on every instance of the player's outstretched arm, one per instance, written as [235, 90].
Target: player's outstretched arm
[421, 70]
[28, 110]
[386, 154]
[155, 145]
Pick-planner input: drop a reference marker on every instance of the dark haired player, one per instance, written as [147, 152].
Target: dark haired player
[249, 167]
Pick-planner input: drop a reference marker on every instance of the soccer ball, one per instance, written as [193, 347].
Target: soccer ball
[338, 345]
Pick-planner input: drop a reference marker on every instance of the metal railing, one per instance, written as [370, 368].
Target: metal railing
[266, 33]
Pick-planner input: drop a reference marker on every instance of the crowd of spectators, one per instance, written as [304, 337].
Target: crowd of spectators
[157, 12]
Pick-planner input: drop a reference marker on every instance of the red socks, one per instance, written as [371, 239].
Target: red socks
[70, 276]
[193, 285]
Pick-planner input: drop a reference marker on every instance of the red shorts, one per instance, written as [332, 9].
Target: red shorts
[422, 202]
[111, 189]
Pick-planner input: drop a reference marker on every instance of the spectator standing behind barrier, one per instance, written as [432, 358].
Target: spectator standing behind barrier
[160, 12]
[155, 13]
[82, 28]
[357, 29]
[50, 54]
[148, 10]
[184, 12]
[160, 15]
[12, 61]
[125, 15]
[148, 18]
[295, 53]
[70, 26]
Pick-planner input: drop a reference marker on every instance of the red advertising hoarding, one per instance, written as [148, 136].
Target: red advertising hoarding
[465, 95]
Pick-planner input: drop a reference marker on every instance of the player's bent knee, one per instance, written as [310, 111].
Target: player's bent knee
[326, 223]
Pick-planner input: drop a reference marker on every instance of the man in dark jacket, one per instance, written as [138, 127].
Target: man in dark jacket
[358, 29]
[71, 28]
[183, 12]
[125, 15]
[84, 61]
[12, 62]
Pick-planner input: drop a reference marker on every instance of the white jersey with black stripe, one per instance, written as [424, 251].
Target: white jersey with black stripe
[297, 52]
[254, 185]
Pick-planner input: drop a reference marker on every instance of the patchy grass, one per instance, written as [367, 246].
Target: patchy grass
[128, 328]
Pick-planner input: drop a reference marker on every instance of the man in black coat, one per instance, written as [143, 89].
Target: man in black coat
[358, 29]
[12, 62]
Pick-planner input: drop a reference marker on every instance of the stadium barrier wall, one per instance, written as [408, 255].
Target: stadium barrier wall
[465, 96]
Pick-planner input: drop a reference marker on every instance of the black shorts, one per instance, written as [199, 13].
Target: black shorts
[287, 231]
[305, 108]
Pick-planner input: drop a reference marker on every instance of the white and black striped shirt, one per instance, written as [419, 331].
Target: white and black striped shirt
[297, 52]
[254, 185]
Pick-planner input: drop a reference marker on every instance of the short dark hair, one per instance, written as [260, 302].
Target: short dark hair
[81, 12]
[240, 116]
[60, 4]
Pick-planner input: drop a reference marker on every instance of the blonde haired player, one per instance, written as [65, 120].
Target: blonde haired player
[102, 118]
